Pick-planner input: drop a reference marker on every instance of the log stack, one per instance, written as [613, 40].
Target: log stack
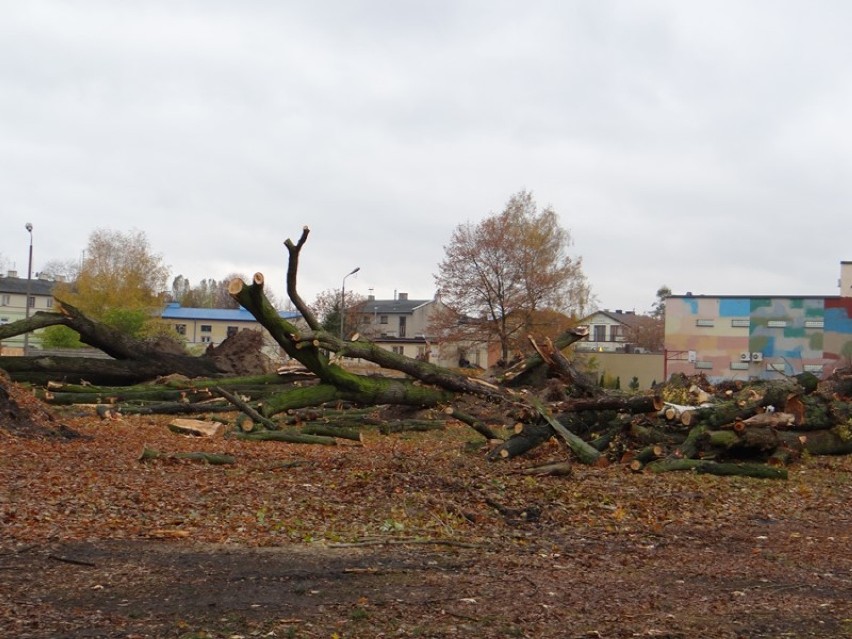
[689, 424]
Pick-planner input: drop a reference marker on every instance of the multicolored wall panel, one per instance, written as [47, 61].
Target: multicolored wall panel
[837, 343]
[757, 337]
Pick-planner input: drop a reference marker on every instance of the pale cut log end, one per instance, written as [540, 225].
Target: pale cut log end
[258, 279]
[235, 286]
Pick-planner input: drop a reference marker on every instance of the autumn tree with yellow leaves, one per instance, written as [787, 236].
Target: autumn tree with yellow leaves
[120, 282]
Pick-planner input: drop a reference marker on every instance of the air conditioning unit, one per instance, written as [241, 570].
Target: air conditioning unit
[691, 356]
[757, 357]
[745, 356]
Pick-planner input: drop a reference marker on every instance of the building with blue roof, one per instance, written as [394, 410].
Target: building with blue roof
[211, 326]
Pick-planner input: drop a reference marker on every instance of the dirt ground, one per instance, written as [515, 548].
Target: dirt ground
[405, 536]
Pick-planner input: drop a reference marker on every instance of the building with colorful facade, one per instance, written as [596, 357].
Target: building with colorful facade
[759, 337]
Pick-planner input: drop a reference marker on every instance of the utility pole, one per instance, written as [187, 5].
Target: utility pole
[29, 228]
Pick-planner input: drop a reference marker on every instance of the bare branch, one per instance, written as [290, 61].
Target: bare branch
[292, 272]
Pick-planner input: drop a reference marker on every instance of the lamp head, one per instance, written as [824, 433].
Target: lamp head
[29, 227]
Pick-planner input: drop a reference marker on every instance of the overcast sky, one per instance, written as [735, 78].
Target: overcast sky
[702, 145]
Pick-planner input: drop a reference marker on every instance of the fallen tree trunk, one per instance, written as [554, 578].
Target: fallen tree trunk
[330, 430]
[175, 408]
[284, 436]
[534, 369]
[37, 369]
[134, 360]
[208, 458]
[531, 436]
[584, 452]
[760, 471]
[634, 405]
[117, 396]
[197, 428]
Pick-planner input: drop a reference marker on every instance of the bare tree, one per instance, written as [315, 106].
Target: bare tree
[326, 306]
[498, 275]
[208, 293]
[62, 270]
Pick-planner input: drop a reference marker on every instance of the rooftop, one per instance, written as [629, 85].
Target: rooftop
[174, 310]
[18, 285]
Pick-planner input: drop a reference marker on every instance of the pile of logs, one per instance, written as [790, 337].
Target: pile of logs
[740, 428]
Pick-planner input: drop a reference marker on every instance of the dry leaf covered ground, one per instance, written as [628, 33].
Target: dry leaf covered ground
[406, 536]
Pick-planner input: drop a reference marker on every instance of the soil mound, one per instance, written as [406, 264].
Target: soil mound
[23, 415]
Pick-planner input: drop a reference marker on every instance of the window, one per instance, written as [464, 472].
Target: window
[31, 301]
[739, 366]
[231, 331]
[741, 323]
[707, 323]
[402, 326]
[813, 368]
[5, 300]
[49, 302]
[814, 324]
[615, 332]
[398, 350]
[205, 339]
[4, 320]
[180, 329]
[206, 328]
[776, 323]
[704, 365]
[383, 319]
[600, 333]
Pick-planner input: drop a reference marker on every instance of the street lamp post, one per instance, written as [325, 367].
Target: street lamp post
[343, 300]
[29, 228]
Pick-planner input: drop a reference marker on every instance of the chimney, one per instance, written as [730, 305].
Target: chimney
[371, 297]
[403, 296]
